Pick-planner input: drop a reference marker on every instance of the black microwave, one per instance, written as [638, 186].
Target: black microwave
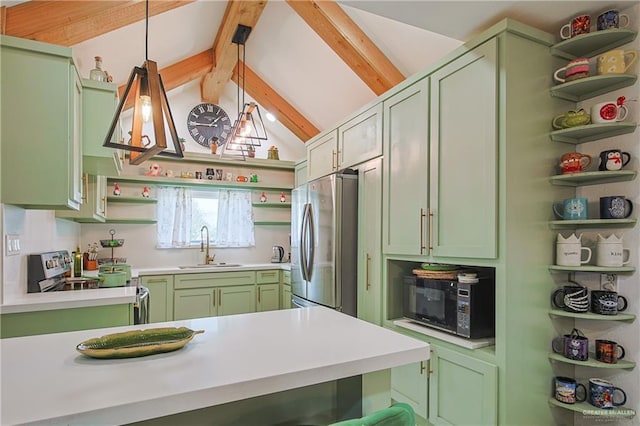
[463, 309]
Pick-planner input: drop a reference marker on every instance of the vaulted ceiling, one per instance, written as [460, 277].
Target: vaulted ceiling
[309, 62]
[71, 22]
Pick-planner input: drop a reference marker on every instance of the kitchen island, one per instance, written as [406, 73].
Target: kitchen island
[45, 380]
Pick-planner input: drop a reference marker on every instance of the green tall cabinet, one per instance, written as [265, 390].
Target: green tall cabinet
[466, 166]
[41, 125]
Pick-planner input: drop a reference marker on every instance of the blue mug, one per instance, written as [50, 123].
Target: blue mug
[571, 209]
[602, 394]
[615, 207]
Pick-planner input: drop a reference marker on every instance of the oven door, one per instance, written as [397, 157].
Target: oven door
[432, 302]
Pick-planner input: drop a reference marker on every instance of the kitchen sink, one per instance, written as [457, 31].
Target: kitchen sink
[210, 265]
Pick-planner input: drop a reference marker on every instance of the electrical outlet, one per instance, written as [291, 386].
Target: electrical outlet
[608, 282]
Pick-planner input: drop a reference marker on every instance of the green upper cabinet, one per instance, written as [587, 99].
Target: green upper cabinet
[94, 201]
[41, 131]
[357, 140]
[99, 103]
[439, 189]
[321, 155]
[360, 139]
[463, 175]
[405, 182]
[369, 241]
[301, 173]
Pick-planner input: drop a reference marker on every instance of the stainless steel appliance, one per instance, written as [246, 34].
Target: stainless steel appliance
[46, 271]
[278, 254]
[324, 242]
[466, 309]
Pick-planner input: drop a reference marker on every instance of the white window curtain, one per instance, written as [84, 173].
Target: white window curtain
[174, 217]
[235, 220]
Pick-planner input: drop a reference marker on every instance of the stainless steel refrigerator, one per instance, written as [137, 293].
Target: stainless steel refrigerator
[324, 239]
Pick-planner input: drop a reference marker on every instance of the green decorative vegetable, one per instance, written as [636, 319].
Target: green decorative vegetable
[136, 343]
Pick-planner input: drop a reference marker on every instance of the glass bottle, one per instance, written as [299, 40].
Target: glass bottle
[97, 73]
[77, 263]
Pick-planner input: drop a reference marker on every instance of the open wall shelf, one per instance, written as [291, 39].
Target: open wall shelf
[173, 181]
[592, 362]
[587, 409]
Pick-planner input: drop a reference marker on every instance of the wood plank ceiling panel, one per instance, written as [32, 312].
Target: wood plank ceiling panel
[225, 52]
[349, 42]
[67, 23]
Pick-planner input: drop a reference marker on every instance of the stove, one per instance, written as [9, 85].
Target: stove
[47, 271]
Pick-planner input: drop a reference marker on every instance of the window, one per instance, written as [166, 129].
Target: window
[182, 212]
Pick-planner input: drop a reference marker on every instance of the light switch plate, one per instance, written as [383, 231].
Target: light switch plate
[12, 244]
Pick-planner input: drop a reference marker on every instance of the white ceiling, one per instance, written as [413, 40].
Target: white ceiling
[293, 60]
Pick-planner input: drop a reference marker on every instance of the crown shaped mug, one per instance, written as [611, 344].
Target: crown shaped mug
[569, 251]
[610, 251]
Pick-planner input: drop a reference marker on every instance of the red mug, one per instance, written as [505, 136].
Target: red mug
[579, 25]
[575, 162]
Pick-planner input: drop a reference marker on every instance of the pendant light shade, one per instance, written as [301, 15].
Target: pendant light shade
[152, 119]
[248, 129]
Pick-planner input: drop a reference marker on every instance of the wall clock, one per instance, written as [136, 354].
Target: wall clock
[206, 121]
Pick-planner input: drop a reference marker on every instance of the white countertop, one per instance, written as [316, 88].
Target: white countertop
[175, 270]
[33, 302]
[238, 357]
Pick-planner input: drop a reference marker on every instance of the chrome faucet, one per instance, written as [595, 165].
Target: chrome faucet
[207, 258]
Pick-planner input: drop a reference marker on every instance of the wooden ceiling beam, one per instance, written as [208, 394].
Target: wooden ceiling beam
[67, 23]
[225, 52]
[349, 42]
[286, 114]
[173, 76]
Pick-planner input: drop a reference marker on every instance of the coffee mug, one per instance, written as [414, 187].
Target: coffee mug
[572, 208]
[616, 61]
[579, 25]
[612, 255]
[608, 351]
[615, 207]
[229, 177]
[578, 68]
[573, 345]
[567, 390]
[604, 302]
[571, 298]
[611, 19]
[613, 159]
[219, 173]
[608, 112]
[574, 162]
[571, 119]
[602, 394]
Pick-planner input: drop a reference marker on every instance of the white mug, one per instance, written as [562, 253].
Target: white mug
[608, 112]
[571, 254]
[612, 254]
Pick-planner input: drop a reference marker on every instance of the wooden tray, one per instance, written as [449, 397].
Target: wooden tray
[441, 275]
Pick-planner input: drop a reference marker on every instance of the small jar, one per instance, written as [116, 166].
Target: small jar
[97, 73]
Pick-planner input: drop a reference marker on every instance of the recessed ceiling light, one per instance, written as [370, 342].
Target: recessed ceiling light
[270, 117]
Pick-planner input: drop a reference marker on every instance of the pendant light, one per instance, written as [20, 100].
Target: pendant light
[248, 129]
[148, 135]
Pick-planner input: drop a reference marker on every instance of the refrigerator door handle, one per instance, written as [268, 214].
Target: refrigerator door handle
[312, 243]
[303, 243]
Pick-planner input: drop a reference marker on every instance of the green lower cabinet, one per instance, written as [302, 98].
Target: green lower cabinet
[285, 303]
[160, 297]
[268, 297]
[211, 302]
[63, 320]
[410, 384]
[462, 390]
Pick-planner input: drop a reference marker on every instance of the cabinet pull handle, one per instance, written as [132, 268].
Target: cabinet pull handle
[429, 226]
[334, 160]
[85, 187]
[422, 215]
[214, 298]
[422, 367]
[338, 159]
[104, 205]
[220, 297]
[259, 291]
[368, 284]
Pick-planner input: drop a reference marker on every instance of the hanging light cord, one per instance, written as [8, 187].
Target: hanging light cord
[146, 32]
